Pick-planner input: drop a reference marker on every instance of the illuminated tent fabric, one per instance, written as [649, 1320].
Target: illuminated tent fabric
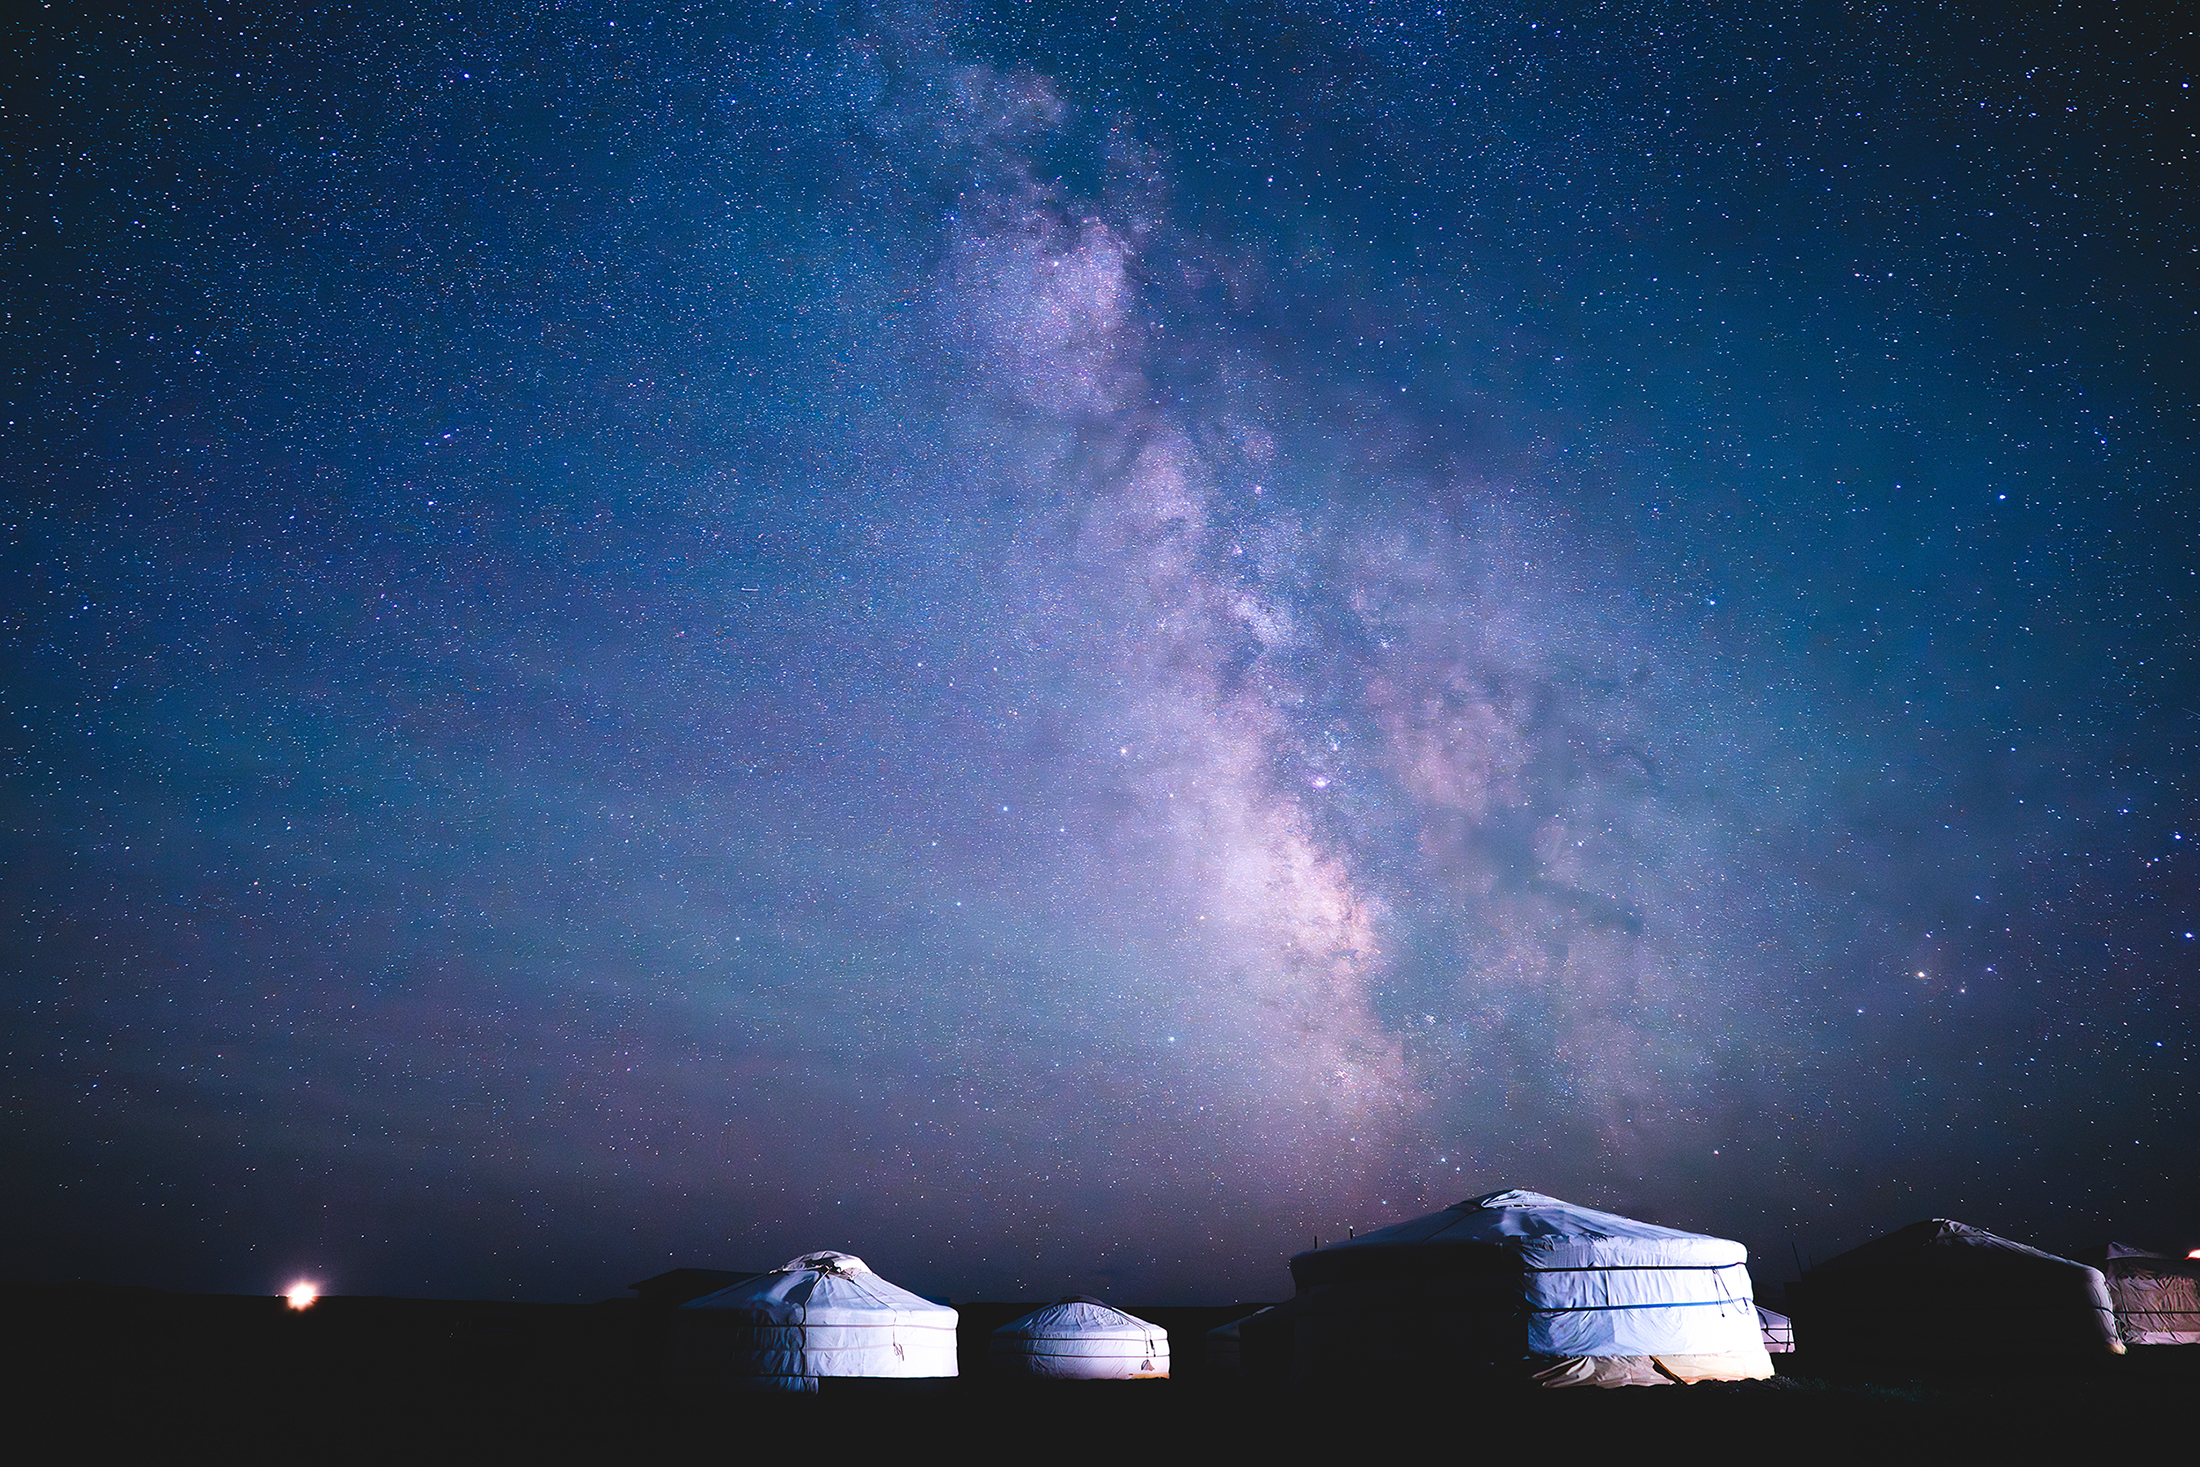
[1776, 1330]
[1581, 1297]
[2156, 1297]
[823, 1314]
[1081, 1339]
[1941, 1292]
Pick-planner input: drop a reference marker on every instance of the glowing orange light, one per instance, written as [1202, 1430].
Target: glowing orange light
[301, 1296]
[2195, 1253]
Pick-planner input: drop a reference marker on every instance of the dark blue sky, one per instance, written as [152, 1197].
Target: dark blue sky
[1064, 645]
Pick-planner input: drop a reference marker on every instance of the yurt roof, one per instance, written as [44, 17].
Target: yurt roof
[1942, 1243]
[1514, 1229]
[826, 1288]
[2123, 1250]
[2122, 1260]
[1230, 1330]
[1079, 1317]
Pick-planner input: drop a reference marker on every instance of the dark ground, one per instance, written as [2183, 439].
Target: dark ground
[111, 1370]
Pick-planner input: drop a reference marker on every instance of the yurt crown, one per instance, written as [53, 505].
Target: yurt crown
[827, 1262]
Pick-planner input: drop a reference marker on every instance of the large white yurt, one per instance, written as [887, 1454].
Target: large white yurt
[1579, 1297]
[1081, 1339]
[1942, 1293]
[823, 1314]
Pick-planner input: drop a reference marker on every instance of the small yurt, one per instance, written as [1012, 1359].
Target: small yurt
[1776, 1330]
[1941, 1293]
[1579, 1297]
[823, 1314]
[2156, 1296]
[1081, 1339]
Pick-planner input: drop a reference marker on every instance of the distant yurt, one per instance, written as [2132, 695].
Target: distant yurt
[1081, 1339]
[1776, 1330]
[658, 1317]
[1513, 1279]
[1266, 1339]
[1226, 1345]
[1942, 1293]
[823, 1314]
[2156, 1296]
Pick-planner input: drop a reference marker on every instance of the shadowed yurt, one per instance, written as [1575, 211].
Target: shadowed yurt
[1265, 1340]
[1225, 1345]
[2156, 1296]
[1517, 1279]
[823, 1314]
[1080, 1338]
[1941, 1293]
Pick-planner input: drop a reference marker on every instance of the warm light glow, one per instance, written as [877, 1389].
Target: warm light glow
[301, 1296]
[2195, 1253]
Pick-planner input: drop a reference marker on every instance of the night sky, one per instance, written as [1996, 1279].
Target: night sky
[1064, 646]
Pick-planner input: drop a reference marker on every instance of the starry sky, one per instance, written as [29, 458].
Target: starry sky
[1067, 645]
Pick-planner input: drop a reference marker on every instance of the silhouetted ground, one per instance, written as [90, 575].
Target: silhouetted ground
[127, 1370]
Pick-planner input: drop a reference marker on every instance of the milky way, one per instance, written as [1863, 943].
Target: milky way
[1067, 649]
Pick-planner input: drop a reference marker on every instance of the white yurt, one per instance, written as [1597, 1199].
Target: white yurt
[1942, 1292]
[1579, 1297]
[823, 1314]
[1081, 1339]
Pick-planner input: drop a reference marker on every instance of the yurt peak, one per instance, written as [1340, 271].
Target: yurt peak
[828, 1261]
[1512, 1197]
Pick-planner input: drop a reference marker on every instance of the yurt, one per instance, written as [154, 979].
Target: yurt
[1941, 1293]
[2156, 1296]
[1225, 1345]
[823, 1314]
[1266, 1339]
[1578, 1297]
[1081, 1339]
[1776, 1330]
